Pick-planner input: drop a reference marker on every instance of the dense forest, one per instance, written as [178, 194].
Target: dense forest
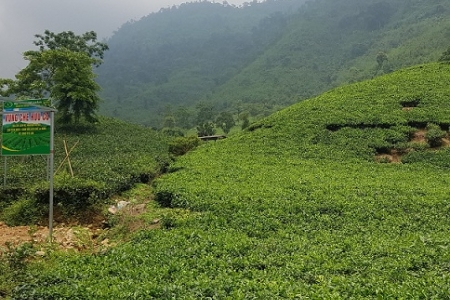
[189, 64]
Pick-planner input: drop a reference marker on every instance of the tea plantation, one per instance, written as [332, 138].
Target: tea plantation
[299, 206]
[103, 159]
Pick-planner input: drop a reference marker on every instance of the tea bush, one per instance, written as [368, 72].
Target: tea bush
[434, 135]
[23, 211]
[181, 145]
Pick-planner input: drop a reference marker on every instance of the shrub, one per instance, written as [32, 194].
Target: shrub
[164, 198]
[168, 221]
[182, 145]
[72, 194]
[411, 146]
[22, 212]
[8, 195]
[434, 135]
[172, 131]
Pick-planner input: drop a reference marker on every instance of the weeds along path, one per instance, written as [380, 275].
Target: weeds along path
[94, 232]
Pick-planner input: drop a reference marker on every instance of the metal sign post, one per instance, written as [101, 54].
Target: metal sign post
[4, 173]
[52, 151]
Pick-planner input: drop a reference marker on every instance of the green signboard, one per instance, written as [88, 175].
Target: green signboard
[26, 129]
[26, 105]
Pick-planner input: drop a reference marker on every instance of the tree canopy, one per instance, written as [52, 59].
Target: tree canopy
[62, 70]
[445, 57]
[87, 43]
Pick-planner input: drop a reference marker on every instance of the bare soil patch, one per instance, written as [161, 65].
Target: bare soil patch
[20, 234]
[66, 237]
[91, 230]
[393, 157]
[419, 137]
[90, 234]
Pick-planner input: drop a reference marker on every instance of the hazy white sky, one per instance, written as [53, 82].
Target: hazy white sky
[20, 20]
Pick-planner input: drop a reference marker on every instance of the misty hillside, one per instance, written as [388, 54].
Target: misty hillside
[260, 57]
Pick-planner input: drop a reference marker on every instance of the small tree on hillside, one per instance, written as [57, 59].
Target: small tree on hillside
[225, 121]
[205, 119]
[205, 129]
[205, 113]
[445, 57]
[62, 70]
[381, 58]
[245, 120]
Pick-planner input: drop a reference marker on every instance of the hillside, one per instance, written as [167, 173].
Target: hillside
[95, 167]
[330, 43]
[261, 57]
[178, 55]
[297, 206]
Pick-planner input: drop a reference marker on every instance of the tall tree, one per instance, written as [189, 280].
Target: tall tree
[225, 121]
[183, 117]
[62, 70]
[445, 57]
[205, 129]
[205, 119]
[86, 43]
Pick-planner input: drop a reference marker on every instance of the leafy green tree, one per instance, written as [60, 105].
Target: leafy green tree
[183, 117]
[205, 129]
[381, 58]
[445, 57]
[225, 121]
[86, 43]
[245, 120]
[205, 112]
[205, 119]
[62, 70]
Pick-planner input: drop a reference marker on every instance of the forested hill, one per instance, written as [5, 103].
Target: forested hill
[179, 55]
[260, 57]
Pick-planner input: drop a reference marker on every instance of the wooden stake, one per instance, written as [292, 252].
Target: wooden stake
[67, 157]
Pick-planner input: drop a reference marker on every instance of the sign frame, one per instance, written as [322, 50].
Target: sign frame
[36, 105]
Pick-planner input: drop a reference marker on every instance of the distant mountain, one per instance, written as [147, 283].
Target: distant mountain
[260, 57]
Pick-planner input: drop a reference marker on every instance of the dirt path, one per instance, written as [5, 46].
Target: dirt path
[72, 235]
[92, 234]
[76, 238]
[20, 234]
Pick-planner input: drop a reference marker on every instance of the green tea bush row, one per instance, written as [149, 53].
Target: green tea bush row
[105, 159]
